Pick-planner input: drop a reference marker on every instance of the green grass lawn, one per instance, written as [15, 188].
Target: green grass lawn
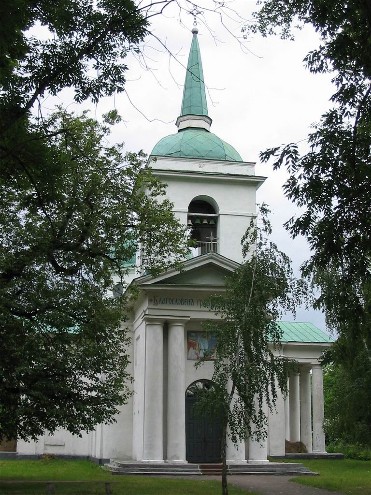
[86, 478]
[347, 476]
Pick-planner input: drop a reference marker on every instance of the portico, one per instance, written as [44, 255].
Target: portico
[300, 414]
[168, 319]
[170, 311]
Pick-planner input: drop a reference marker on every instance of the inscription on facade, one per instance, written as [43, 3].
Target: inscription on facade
[179, 301]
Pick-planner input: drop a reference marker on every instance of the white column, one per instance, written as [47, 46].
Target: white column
[176, 450]
[276, 421]
[294, 400]
[235, 452]
[153, 393]
[305, 408]
[258, 451]
[318, 409]
[287, 412]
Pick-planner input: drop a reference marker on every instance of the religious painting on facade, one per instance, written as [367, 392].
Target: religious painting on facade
[201, 345]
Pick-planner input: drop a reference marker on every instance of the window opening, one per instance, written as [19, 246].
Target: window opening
[203, 222]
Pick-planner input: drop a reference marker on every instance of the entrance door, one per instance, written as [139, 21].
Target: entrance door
[203, 432]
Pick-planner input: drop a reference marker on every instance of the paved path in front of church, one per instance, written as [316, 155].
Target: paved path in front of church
[271, 485]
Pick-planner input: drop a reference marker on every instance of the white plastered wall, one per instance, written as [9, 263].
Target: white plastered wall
[105, 442]
[60, 443]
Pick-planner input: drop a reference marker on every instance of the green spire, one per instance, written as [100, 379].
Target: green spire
[194, 96]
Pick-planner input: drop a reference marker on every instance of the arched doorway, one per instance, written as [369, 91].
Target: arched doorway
[203, 432]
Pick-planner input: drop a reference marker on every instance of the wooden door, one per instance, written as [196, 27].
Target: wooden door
[203, 434]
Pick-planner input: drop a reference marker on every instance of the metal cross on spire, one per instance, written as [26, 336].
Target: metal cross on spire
[195, 12]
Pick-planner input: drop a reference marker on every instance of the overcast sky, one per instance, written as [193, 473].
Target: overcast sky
[258, 97]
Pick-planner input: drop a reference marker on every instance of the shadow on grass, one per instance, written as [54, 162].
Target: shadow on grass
[56, 488]
[138, 485]
[77, 477]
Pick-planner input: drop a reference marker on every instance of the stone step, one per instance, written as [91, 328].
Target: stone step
[118, 467]
[310, 455]
[124, 467]
[276, 467]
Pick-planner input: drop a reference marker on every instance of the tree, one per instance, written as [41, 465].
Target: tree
[331, 181]
[73, 210]
[348, 372]
[83, 47]
[248, 372]
[64, 236]
[347, 398]
[81, 35]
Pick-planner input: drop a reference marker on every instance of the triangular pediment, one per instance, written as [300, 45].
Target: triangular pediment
[207, 270]
[209, 274]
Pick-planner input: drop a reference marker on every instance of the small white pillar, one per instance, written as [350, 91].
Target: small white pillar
[305, 408]
[176, 440]
[294, 400]
[318, 409]
[153, 393]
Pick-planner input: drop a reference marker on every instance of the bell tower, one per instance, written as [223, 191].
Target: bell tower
[213, 190]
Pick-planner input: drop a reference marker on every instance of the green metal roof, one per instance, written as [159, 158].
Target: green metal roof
[302, 332]
[194, 96]
[196, 143]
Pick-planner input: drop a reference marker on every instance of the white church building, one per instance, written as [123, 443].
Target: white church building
[213, 192]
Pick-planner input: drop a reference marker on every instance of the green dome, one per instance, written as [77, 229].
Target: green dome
[196, 143]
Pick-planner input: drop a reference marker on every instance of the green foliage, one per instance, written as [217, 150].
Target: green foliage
[344, 28]
[331, 185]
[73, 211]
[347, 404]
[359, 452]
[331, 182]
[68, 223]
[84, 48]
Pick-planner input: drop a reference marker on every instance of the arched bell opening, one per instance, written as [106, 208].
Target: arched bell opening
[203, 431]
[203, 223]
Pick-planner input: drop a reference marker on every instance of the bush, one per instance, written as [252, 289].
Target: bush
[351, 451]
[347, 390]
